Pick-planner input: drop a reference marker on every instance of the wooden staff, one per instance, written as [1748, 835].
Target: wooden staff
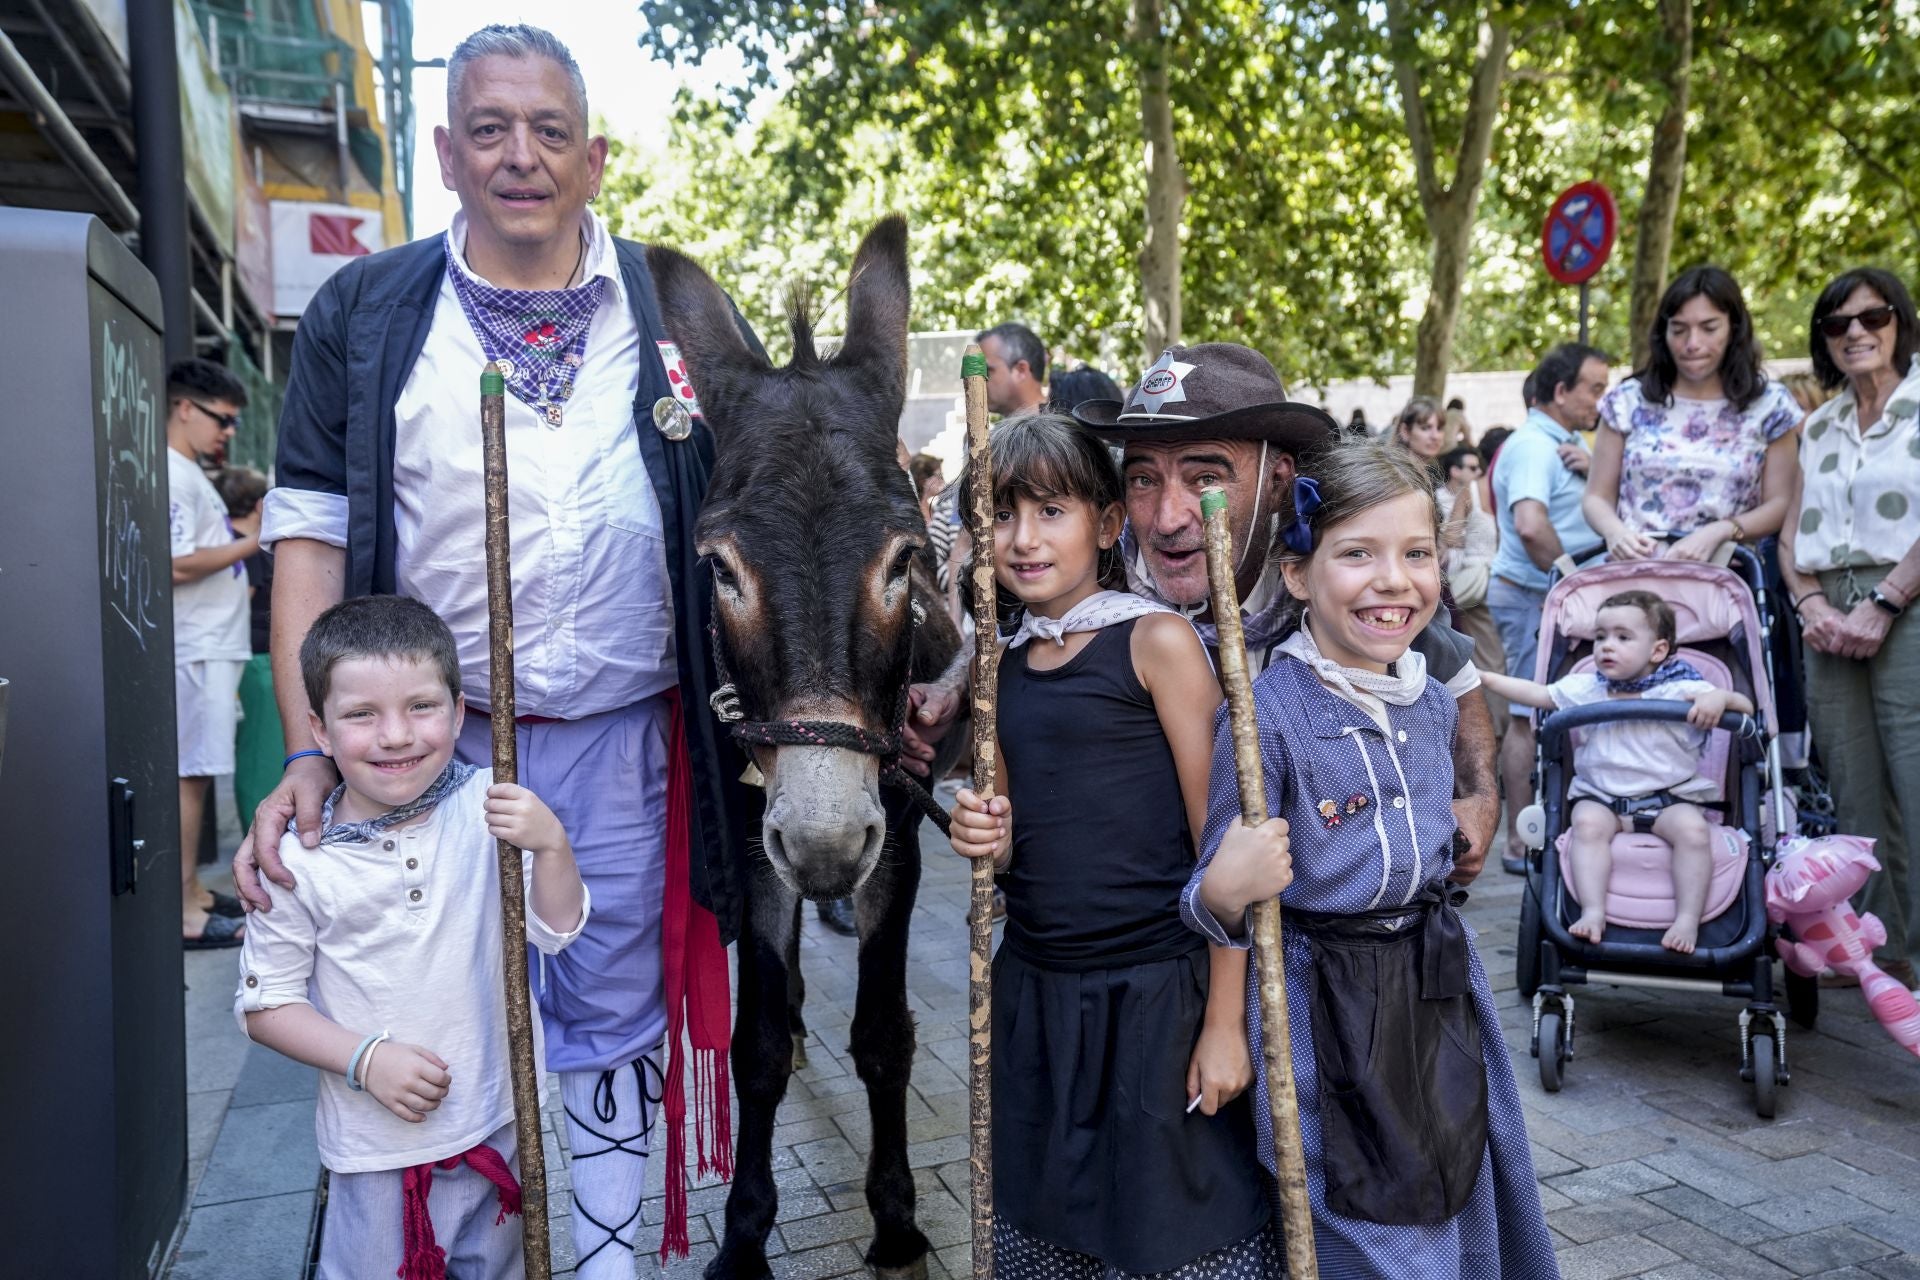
[986, 772]
[506, 768]
[1283, 1104]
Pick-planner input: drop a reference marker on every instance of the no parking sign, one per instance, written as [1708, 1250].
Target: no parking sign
[1579, 232]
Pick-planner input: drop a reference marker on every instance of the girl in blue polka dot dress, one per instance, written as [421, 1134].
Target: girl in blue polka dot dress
[1416, 1148]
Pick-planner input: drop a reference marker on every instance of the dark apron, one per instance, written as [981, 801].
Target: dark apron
[1403, 1086]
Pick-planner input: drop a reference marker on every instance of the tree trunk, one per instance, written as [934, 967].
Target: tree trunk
[1451, 233]
[1666, 170]
[1166, 185]
[1449, 209]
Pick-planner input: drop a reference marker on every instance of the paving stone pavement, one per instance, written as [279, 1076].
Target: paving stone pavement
[1651, 1160]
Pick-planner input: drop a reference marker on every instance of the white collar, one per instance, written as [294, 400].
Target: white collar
[1402, 688]
[601, 259]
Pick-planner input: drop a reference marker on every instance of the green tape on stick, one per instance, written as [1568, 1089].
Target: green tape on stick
[1212, 501]
[491, 383]
[973, 366]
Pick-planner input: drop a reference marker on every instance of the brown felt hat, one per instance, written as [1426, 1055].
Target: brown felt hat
[1212, 391]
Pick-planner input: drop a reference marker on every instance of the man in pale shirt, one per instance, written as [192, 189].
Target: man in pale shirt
[1538, 481]
[607, 459]
[1016, 369]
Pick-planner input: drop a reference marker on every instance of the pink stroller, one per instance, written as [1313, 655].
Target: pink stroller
[1723, 623]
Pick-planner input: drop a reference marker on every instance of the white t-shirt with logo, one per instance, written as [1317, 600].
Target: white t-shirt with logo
[209, 615]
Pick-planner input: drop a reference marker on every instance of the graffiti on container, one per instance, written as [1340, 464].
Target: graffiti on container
[130, 424]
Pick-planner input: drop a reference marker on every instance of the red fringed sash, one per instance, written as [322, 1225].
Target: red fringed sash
[421, 1257]
[694, 965]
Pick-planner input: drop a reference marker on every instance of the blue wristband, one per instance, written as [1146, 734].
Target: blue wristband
[310, 751]
[353, 1063]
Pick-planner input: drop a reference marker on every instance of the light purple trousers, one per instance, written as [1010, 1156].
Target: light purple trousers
[364, 1231]
[605, 778]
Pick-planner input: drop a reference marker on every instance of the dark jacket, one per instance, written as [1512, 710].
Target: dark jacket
[355, 347]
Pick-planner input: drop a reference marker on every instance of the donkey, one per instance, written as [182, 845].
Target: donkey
[824, 614]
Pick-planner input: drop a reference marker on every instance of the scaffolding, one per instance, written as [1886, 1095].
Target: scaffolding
[302, 69]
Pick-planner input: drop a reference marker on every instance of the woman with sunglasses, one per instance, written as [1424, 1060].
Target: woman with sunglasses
[1698, 442]
[1850, 553]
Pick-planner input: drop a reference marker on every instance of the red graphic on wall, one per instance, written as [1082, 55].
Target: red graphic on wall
[332, 233]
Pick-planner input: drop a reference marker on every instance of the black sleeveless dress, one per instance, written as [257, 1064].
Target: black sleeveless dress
[1099, 989]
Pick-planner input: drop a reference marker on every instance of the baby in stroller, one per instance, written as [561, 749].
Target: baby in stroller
[1637, 775]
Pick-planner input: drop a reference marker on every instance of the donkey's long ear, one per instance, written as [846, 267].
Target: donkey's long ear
[703, 324]
[878, 294]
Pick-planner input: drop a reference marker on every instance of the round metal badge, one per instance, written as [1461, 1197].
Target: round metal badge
[672, 418]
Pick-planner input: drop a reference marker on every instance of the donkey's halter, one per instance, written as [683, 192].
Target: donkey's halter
[824, 733]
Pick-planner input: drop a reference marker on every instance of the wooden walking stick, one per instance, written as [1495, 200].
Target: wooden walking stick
[986, 772]
[506, 768]
[1283, 1104]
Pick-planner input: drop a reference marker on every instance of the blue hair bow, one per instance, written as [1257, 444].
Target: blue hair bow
[1306, 500]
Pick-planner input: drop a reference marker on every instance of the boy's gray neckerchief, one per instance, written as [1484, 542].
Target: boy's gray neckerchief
[449, 781]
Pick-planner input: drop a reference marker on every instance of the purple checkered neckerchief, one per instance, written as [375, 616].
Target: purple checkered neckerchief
[539, 335]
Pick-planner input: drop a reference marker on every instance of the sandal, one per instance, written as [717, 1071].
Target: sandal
[220, 932]
[225, 906]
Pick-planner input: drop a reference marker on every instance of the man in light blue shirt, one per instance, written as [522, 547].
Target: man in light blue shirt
[1539, 478]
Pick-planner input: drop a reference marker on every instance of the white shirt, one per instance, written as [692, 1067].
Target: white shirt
[209, 614]
[1860, 489]
[401, 935]
[1629, 758]
[592, 602]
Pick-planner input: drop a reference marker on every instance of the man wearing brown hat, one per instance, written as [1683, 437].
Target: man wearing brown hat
[1218, 414]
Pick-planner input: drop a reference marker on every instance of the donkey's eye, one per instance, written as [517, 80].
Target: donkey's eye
[724, 575]
[902, 561]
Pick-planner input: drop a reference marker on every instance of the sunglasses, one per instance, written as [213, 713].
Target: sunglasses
[1873, 319]
[231, 421]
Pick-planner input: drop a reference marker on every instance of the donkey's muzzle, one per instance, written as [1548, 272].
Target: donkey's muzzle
[824, 825]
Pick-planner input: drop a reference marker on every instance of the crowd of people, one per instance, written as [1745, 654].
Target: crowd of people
[1389, 589]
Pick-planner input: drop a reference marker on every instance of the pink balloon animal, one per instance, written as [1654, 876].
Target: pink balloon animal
[1808, 889]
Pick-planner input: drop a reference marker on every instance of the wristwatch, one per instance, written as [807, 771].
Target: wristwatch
[1885, 605]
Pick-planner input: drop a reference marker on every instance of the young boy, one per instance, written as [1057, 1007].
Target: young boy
[383, 967]
[1632, 769]
[209, 623]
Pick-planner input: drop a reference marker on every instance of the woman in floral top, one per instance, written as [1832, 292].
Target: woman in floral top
[1851, 557]
[1699, 442]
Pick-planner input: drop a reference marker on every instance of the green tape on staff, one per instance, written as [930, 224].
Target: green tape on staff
[973, 366]
[491, 383]
[1212, 500]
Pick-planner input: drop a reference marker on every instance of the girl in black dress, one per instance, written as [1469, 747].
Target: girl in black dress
[1123, 1140]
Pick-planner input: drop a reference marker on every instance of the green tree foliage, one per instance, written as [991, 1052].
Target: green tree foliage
[1017, 130]
[1010, 135]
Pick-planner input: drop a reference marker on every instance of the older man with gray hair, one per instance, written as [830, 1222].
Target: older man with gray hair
[381, 491]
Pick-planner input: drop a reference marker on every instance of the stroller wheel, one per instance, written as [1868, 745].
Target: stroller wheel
[1526, 958]
[1553, 1050]
[1763, 1076]
[1803, 999]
